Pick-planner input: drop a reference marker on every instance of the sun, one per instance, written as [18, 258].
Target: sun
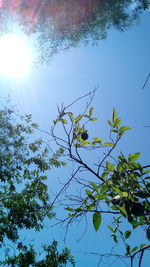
[15, 56]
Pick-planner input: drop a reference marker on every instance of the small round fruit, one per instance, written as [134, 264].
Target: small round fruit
[84, 136]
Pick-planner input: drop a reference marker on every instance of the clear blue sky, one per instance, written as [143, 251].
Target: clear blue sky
[119, 66]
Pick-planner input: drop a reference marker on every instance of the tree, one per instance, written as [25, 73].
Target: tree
[62, 24]
[114, 185]
[24, 199]
[28, 257]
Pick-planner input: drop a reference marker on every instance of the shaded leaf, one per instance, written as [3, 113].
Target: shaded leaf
[134, 249]
[128, 249]
[110, 123]
[97, 218]
[148, 233]
[127, 234]
[115, 238]
[70, 209]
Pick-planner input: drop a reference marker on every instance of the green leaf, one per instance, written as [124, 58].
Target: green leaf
[104, 189]
[77, 145]
[94, 119]
[91, 111]
[78, 118]
[143, 246]
[128, 249]
[115, 238]
[64, 121]
[148, 233]
[125, 194]
[125, 128]
[108, 144]
[70, 209]
[114, 207]
[56, 121]
[110, 123]
[117, 123]
[86, 116]
[97, 140]
[94, 186]
[114, 115]
[88, 192]
[110, 167]
[117, 190]
[123, 211]
[147, 171]
[111, 228]
[133, 157]
[97, 218]
[134, 249]
[127, 234]
[70, 116]
[90, 207]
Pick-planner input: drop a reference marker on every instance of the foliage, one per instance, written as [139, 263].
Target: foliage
[24, 199]
[28, 257]
[119, 185]
[61, 24]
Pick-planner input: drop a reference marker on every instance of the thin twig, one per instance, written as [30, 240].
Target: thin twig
[146, 81]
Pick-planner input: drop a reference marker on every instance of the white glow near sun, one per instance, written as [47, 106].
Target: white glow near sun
[15, 56]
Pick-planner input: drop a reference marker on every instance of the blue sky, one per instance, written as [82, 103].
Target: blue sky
[118, 66]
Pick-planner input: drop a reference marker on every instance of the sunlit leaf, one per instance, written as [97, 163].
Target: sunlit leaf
[110, 167]
[114, 115]
[56, 121]
[70, 116]
[117, 123]
[111, 228]
[91, 111]
[125, 128]
[133, 157]
[94, 186]
[134, 249]
[108, 144]
[78, 118]
[94, 119]
[64, 121]
[90, 207]
[143, 246]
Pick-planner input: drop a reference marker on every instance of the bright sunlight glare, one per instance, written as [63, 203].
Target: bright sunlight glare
[15, 56]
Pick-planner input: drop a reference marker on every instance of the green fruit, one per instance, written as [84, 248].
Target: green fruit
[84, 136]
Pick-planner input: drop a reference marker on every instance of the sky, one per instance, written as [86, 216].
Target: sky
[118, 67]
